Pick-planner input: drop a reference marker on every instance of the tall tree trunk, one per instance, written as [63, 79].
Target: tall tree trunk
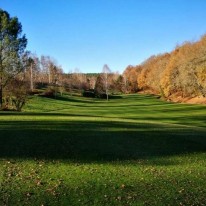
[1, 93]
[1, 82]
[107, 86]
[31, 77]
[49, 75]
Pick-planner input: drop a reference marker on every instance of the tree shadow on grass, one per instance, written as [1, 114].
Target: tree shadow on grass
[82, 99]
[70, 99]
[90, 141]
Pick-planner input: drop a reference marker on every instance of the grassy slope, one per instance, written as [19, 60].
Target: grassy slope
[133, 150]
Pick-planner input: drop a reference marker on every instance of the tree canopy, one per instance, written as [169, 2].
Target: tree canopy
[179, 74]
[12, 46]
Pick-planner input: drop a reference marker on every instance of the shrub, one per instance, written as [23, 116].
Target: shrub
[88, 93]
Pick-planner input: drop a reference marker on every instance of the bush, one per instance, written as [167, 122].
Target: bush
[34, 92]
[88, 93]
[16, 95]
[49, 94]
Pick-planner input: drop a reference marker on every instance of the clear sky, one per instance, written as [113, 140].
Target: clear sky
[86, 34]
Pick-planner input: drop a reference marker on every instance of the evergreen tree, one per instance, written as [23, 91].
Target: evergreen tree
[12, 46]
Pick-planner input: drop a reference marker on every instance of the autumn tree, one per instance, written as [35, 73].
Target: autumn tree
[151, 73]
[130, 75]
[79, 80]
[12, 46]
[99, 86]
[119, 84]
[106, 71]
[178, 75]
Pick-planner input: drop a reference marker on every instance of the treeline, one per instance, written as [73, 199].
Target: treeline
[176, 75]
[44, 72]
[43, 76]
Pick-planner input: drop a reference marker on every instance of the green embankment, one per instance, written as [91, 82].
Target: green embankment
[132, 150]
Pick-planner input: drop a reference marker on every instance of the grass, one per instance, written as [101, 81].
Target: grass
[132, 150]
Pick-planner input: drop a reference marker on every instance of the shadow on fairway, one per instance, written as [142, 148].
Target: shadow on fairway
[90, 141]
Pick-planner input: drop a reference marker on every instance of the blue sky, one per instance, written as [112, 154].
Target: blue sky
[86, 34]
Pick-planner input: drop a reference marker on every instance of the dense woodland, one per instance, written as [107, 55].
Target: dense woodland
[176, 75]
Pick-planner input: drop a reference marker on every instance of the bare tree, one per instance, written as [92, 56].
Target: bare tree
[106, 71]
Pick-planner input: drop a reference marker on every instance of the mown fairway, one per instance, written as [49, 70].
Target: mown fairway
[132, 150]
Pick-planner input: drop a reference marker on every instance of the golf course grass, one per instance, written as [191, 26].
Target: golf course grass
[132, 150]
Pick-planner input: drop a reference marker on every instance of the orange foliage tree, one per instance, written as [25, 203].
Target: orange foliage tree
[179, 73]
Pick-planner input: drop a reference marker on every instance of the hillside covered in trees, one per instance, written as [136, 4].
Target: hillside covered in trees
[177, 76]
